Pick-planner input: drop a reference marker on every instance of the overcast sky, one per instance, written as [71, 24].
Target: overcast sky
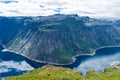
[92, 8]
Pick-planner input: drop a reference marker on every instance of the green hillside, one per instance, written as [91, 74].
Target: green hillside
[59, 73]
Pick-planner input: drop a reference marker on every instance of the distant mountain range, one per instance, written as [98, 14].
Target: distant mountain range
[57, 38]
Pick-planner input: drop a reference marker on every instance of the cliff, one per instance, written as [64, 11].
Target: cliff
[57, 38]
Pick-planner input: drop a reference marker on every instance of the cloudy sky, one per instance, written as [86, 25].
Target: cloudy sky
[92, 8]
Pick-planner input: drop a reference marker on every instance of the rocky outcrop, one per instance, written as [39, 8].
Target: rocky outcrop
[116, 65]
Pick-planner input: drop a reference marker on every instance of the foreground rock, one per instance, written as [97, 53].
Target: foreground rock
[116, 65]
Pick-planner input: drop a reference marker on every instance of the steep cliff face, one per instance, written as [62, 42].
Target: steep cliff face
[57, 38]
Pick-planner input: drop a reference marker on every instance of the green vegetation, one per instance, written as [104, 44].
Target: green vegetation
[50, 24]
[60, 56]
[58, 73]
[48, 27]
[57, 38]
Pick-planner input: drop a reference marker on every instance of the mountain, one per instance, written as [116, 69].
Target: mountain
[56, 39]
[59, 73]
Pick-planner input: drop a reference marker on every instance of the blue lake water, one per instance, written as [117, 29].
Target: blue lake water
[12, 64]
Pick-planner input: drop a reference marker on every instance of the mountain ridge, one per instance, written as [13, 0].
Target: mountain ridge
[57, 38]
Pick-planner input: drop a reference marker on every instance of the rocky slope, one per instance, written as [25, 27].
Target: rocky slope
[57, 38]
[59, 73]
[116, 65]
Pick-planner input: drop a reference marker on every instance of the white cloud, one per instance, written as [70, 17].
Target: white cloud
[6, 66]
[92, 8]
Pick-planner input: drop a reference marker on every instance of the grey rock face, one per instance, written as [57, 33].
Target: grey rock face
[116, 65]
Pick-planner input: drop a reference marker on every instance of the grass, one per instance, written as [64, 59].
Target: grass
[58, 73]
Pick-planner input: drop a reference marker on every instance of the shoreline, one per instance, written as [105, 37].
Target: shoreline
[57, 64]
[91, 54]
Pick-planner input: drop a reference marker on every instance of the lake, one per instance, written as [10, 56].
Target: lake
[12, 64]
[103, 58]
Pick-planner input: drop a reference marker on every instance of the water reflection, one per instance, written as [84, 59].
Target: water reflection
[103, 58]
